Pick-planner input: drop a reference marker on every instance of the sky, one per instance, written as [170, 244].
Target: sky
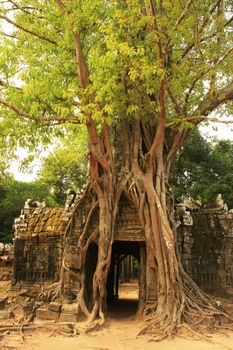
[26, 177]
[222, 132]
[33, 169]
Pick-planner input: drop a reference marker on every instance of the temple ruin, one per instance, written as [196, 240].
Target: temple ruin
[6, 261]
[42, 235]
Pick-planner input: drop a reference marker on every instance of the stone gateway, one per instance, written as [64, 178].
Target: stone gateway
[43, 236]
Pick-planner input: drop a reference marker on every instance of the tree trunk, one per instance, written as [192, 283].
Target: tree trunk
[179, 303]
[134, 160]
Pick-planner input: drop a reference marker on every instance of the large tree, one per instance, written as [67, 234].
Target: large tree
[138, 74]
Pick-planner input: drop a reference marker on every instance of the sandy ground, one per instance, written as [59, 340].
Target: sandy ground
[119, 333]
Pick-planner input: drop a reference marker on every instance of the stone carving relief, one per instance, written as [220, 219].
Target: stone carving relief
[220, 203]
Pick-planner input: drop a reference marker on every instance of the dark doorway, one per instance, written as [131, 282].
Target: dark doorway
[123, 279]
[90, 267]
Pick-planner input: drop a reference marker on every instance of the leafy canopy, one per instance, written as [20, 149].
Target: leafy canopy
[130, 47]
[119, 40]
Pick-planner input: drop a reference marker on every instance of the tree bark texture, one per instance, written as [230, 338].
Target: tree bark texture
[143, 179]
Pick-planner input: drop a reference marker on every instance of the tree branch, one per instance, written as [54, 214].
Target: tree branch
[23, 9]
[196, 119]
[173, 98]
[61, 5]
[178, 140]
[81, 63]
[206, 20]
[9, 35]
[106, 141]
[162, 113]
[182, 16]
[40, 36]
[201, 114]
[178, 22]
[84, 81]
[217, 61]
[229, 21]
[45, 118]
[97, 155]
[212, 102]
[162, 124]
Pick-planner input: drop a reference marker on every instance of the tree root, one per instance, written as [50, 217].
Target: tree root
[21, 333]
[196, 316]
[89, 326]
[47, 325]
[74, 328]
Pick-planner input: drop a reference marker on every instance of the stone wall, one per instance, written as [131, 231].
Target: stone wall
[6, 261]
[38, 242]
[206, 246]
[205, 239]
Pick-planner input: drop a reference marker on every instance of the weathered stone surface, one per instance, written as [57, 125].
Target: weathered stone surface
[207, 249]
[71, 240]
[38, 234]
[5, 315]
[70, 308]
[45, 314]
[6, 261]
[55, 307]
[68, 318]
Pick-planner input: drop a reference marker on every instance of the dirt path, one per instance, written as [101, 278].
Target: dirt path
[119, 333]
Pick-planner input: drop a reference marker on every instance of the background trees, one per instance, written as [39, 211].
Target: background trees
[63, 168]
[204, 168]
[13, 195]
[66, 166]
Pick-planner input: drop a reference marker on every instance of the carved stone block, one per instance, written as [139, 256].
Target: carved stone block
[54, 307]
[45, 314]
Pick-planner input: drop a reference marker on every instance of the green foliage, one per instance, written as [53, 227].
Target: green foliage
[61, 170]
[203, 169]
[120, 44]
[66, 166]
[13, 195]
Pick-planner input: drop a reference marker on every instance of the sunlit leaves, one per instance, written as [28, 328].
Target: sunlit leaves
[121, 43]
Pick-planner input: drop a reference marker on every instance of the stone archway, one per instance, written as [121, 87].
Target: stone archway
[133, 270]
